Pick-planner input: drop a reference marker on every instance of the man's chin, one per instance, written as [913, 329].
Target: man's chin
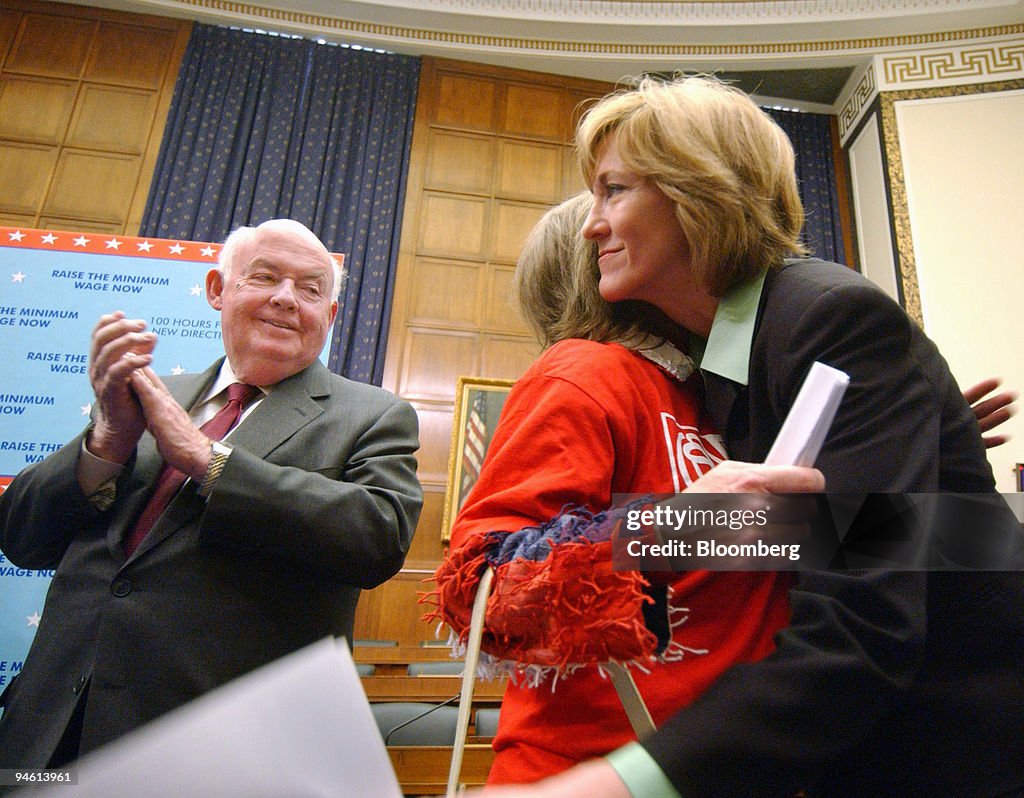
[272, 365]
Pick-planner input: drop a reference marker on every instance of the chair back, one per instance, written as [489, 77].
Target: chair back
[415, 723]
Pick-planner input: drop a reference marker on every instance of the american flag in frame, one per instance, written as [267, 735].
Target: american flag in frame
[478, 403]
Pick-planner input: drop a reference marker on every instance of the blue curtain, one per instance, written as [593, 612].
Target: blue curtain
[811, 135]
[265, 127]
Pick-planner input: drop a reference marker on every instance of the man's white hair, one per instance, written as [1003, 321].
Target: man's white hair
[243, 235]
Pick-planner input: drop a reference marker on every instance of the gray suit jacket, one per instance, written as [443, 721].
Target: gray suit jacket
[318, 499]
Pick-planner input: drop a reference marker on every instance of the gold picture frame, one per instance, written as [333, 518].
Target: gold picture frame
[478, 404]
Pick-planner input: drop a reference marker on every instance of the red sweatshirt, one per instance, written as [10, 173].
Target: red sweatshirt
[585, 422]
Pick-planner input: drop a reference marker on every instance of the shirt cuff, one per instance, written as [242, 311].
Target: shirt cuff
[97, 478]
[640, 773]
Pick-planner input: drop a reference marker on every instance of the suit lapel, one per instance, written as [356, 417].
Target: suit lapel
[719, 397]
[289, 406]
[726, 402]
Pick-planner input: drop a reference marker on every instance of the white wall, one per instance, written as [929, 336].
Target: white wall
[963, 160]
[871, 209]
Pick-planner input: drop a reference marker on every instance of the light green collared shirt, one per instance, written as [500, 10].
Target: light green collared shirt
[726, 353]
[727, 349]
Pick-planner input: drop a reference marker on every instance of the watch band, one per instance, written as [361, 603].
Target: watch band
[219, 453]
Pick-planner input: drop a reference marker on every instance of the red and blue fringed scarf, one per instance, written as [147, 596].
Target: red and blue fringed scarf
[557, 603]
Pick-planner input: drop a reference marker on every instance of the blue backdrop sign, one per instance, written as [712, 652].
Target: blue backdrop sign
[54, 286]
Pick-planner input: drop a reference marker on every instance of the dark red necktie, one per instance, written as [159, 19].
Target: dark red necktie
[170, 480]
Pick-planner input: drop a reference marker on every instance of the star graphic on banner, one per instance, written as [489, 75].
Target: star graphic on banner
[49, 238]
[17, 235]
[196, 290]
[86, 409]
[81, 241]
[144, 246]
[113, 244]
[177, 370]
[18, 277]
[33, 619]
[206, 252]
[177, 249]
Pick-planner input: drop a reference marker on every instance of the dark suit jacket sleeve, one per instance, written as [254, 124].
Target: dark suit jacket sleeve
[346, 514]
[43, 508]
[856, 639]
[885, 437]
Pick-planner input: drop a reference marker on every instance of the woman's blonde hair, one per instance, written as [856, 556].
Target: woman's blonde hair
[556, 284]
[727, 166]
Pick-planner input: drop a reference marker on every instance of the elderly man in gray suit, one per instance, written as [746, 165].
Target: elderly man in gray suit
[182, 560]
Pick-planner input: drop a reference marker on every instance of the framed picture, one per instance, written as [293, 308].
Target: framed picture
[478, 404]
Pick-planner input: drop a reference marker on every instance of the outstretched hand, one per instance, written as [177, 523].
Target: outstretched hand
[993, 410]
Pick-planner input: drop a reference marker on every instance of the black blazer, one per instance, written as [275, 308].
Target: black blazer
[318, 499]
[886, 683]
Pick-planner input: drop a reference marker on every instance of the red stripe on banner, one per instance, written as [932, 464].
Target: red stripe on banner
[109, 244]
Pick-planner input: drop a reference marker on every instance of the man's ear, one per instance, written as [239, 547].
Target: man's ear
[215, 288]
[334, 313]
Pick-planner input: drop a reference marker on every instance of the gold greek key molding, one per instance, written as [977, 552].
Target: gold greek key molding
[859, 100]
[977, 62]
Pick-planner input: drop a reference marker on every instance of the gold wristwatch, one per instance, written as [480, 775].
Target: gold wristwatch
[219, 453]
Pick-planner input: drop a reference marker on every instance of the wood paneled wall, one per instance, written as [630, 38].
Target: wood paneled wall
[84, 95]
[491, 152]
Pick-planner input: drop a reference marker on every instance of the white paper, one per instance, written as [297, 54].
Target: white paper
[296, 728]
[804, 430]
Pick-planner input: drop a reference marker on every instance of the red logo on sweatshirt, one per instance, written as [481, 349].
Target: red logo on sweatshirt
[690, 453]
